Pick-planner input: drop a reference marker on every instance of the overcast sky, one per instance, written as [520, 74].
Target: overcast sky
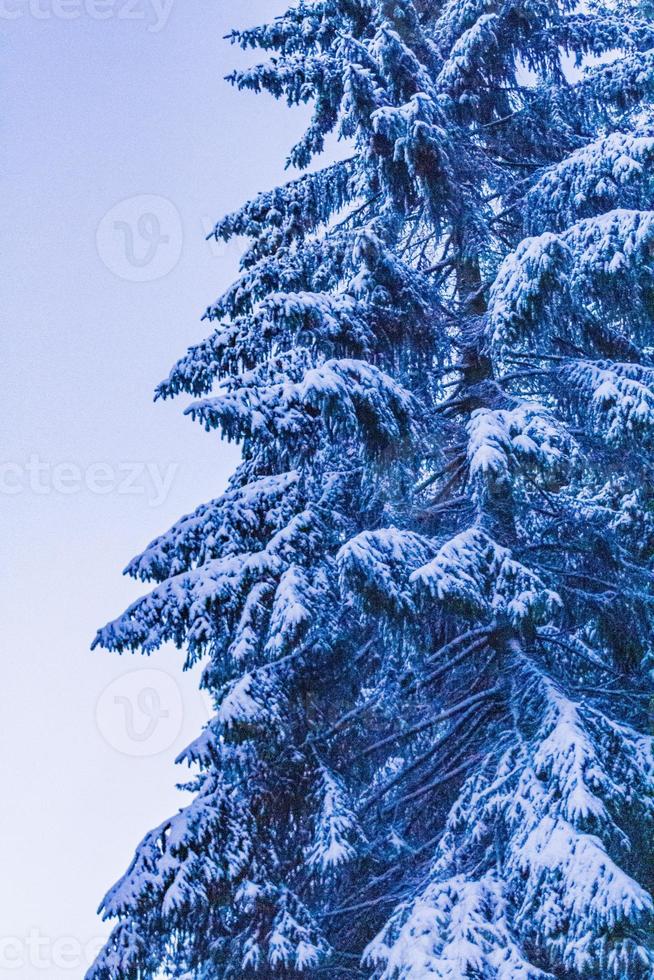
[122, 145]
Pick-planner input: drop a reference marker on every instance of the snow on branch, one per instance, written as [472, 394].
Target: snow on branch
[376, 566]
[503, 442]
[337, 833]
[223, 526]
[616, 399]
[350, 395]
[522, 862]
[477, 577]
[598, 270]
[615, 171]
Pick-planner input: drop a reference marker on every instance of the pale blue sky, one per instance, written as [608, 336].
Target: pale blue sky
[95, 112]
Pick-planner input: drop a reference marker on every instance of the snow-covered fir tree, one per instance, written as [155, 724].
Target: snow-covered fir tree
[425, 602]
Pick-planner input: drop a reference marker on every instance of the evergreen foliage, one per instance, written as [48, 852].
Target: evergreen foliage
[424, 604]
